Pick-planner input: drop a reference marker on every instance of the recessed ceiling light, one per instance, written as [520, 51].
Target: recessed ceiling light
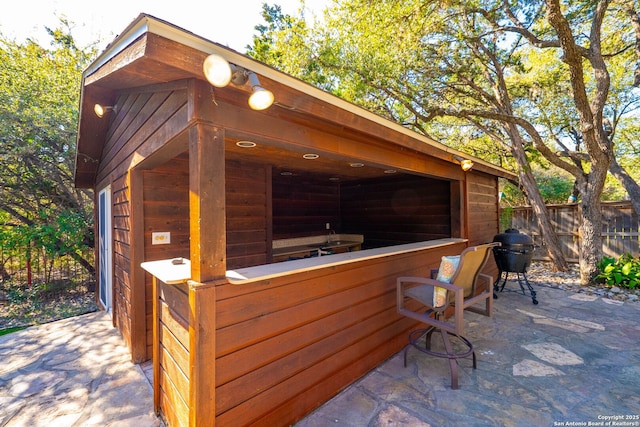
[390, 171]
[310, 156]
[356, 165]
[334, 178]
[246, 144]
[286, 173]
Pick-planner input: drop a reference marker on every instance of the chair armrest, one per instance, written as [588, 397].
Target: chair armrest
[401, 281]
[488, 281]
[427, 281]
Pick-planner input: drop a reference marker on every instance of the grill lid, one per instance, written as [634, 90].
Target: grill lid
[512, 236]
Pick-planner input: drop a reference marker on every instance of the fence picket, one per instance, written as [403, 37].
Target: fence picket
[620, 228]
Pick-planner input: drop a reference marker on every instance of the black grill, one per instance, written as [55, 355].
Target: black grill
[513, 256]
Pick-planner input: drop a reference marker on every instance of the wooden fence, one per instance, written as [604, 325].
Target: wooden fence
[620, 224]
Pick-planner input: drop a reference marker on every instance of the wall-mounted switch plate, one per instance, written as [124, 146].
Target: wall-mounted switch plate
[161, 238]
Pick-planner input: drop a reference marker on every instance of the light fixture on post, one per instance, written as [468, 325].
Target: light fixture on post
[101, 110]
[465, 164]
[219, 72]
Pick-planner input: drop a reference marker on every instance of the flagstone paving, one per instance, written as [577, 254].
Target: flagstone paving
[73, 372]
[573, 359]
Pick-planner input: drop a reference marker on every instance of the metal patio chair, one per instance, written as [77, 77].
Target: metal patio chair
[438, 295]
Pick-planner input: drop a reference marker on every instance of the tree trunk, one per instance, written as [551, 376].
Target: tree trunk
[4, 274]
[591, 237]
[627, 182]
[549, 236]
[83, 262]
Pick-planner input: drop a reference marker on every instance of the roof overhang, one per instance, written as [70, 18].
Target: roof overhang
[136, 58]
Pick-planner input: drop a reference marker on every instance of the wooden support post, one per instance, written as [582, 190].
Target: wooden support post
[208, 263]
[459, 220]
[202, 343]
[207, 203]
[156, 348]
[137, 275]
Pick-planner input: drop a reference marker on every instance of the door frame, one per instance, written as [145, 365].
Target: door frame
[105, 245]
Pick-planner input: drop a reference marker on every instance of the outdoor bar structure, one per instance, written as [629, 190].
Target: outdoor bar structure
[253, 254]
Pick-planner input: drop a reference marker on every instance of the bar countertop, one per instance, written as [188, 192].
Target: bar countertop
[269, 271]
[179, 270]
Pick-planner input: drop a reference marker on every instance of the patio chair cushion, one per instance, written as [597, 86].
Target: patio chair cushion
[448, 267]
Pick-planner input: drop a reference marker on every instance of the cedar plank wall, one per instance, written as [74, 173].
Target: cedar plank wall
[398, 210]
[286, 345]
[483, 215]
[173, 357]
[143, 120]
[166, 209]
[121, 255]
[247, 210]
[302, 207]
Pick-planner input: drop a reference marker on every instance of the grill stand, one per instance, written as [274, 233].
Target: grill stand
[522, 278]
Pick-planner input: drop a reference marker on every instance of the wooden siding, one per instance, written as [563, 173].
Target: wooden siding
[143, 122]
[166, 209]
[286, 345]
[391, 211]
[248, 208]
[171, 362]
[482, 212]
[482, 208]
[302, 207]
[122, 291]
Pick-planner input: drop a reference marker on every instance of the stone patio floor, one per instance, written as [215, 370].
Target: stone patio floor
[573, 359]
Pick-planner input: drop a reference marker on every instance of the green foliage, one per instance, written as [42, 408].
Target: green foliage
[554, 186]
[39, 98]
[11, 330]
[506, 216]
[410, 61]
[623, 272]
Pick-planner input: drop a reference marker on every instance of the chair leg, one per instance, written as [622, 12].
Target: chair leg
[427, 337]
[453, 364]
[406, 349]
[414, 337]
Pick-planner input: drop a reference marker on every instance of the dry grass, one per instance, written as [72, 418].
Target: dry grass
[38, 304]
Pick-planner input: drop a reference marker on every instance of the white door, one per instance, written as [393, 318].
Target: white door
[104, 248]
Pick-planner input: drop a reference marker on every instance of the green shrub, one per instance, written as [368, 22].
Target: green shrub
[624, 272]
